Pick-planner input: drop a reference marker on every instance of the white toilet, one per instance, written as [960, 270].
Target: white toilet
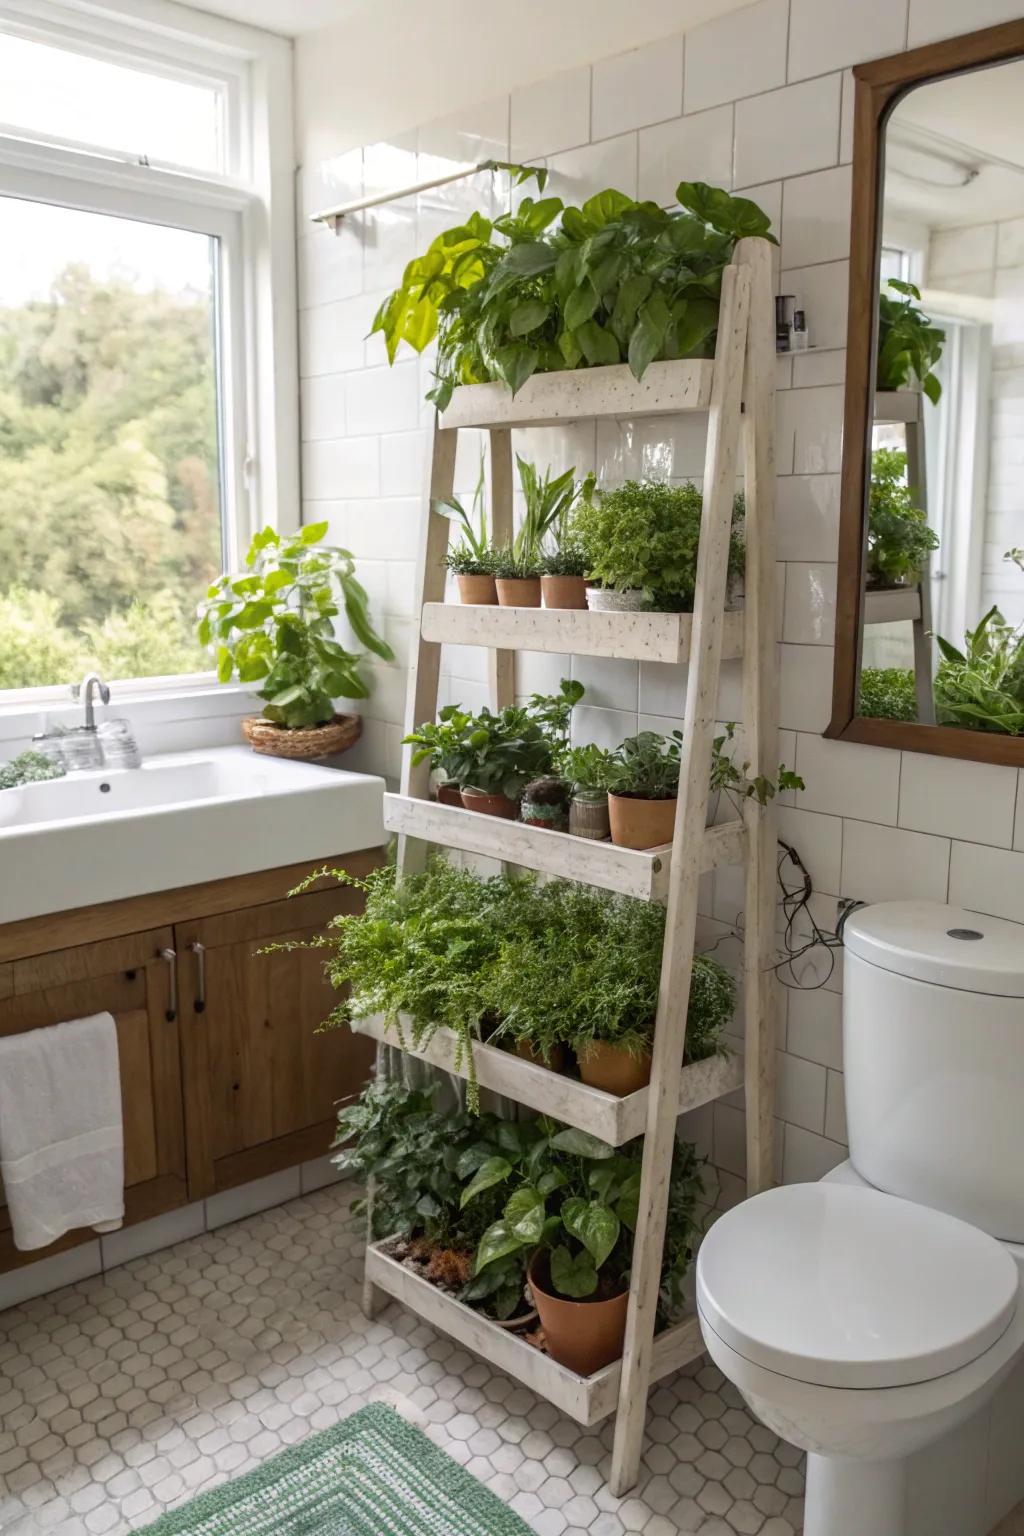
[864, 1316]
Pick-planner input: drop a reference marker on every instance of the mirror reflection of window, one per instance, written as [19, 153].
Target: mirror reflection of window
[943, 634]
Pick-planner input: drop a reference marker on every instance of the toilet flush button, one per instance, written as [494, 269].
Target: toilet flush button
[963, 933]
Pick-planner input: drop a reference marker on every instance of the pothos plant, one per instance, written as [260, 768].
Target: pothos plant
[549, 286]
[909, 345]
[274, 622]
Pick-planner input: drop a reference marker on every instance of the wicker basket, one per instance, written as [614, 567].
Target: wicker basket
[306, 743]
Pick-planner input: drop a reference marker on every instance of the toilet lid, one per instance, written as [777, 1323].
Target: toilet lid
[846, 1287]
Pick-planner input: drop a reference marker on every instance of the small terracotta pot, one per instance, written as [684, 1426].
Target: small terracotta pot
[588, 816]
[449, 793]
[556, 1062]
[564, 591]
[613, 1069]
[639, 823]
[490, 805]
[476, 589]
[518, 591]
[583, 1336]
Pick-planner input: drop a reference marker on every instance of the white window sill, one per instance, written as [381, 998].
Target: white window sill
[174, 705]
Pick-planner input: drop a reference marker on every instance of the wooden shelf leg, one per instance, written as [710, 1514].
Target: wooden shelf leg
[501, 672]
[681, 919]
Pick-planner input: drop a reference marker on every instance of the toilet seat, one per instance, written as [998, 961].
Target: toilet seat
[838, 1286]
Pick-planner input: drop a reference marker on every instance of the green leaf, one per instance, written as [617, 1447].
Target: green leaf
[312, 533]
[524, 1214]
[494, 1171]
[496, 1242]
[648, 335]
[599, 346]
[694, 325]
[932, 388]
[573, 1276]
[516, 362]
[581, 1144]
[225, 664]
[570, 349]
[606, 206]
[581, 304]
[593, 1224]
[528, 316]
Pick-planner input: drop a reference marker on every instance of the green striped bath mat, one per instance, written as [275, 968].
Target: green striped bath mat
[371, 1475]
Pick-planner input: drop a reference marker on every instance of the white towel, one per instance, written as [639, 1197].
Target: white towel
[61, 1130]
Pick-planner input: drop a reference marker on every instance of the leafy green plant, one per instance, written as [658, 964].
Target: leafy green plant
[981, 688]
[887, 693]
[553, 712]
[615, 280]
[275, 623]
[645, 766]
[498, 753]
[473, 555]
[909, 345]
[643, 536]
[732, 778]
[507, 565]
[548, 505]
[567, 558]
[899, 538]
[585, 767]
[29, 768]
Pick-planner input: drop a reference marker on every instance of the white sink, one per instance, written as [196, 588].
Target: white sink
[178, 820]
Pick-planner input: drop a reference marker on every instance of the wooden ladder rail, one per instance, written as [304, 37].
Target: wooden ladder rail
[720, 473]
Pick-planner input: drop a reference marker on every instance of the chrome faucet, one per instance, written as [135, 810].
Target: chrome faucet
[84, 690]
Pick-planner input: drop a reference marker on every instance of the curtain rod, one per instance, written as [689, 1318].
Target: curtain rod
[335, 215]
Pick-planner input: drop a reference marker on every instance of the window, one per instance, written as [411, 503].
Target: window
[138, 365]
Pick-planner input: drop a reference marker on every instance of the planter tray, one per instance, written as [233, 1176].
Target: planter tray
[575, 632]
[631, 873]
[587, 1399]
[888, 607]
[897, 405]
[605, 1115]
[584, 393]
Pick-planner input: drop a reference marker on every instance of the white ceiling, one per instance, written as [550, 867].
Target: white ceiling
[289, 17]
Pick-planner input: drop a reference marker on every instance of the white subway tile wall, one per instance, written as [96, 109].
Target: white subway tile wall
[759, 100]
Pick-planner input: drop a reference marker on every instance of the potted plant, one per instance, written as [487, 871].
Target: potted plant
[899, 538]
[549, 287]
[563, 578]
[586, 769]
[471, 561]
[274, 623]
[643, 786]
[498, 755]
[442, 743]
[640, 541]
[517, 578]
[981, 688]
[909, 345]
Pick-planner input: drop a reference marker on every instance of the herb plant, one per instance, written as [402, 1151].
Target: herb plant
[909, 345]
[899, 538]
[981, 688]
[29, 768]
[887, 693]
[275, 623]
[646, 766]
[472, 556]
[585, 767]
[644, 536]
[549, 286]
[498, 753]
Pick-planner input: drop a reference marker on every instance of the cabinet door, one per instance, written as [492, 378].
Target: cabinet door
[262, 1081]
[130, 978]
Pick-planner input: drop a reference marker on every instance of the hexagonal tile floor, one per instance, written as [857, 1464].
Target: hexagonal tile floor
[126, 1394]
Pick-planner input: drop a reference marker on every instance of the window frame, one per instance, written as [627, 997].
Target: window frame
[249, 208]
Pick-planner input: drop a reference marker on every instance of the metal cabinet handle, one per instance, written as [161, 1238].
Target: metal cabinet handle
[199, 950]
[171, 956]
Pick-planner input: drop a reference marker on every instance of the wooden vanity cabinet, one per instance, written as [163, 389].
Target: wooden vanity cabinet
[224, 1075]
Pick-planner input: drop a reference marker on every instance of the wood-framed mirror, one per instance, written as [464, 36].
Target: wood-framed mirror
[929, 650]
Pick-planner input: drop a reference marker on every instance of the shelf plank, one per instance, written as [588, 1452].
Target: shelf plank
[897, 405]
[584, 393]
[643, 875]
[586, 1399]
[889, 607]
[574, 632]
[604, 1115]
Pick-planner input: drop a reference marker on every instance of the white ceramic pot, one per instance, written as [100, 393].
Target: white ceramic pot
[607, 600]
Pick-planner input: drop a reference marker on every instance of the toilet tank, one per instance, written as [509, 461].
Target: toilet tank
[933, 1052]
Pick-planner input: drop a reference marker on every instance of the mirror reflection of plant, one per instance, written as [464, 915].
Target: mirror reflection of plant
[887, 693]
[615, 280]
[909, 345]
[643, 536]
[899, 538]
[981, 688]
[275, 623]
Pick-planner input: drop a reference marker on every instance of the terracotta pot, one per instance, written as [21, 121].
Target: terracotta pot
[490, 805]
[518, 591]
[588, 816]
[476, 589]
[564, 591]
[608, 600]
[613, 1069]
[639, 823]
[583, 1336]
[556, 1062]
[449, 793]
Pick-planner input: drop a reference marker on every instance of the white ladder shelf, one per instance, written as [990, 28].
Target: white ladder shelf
[737, 392]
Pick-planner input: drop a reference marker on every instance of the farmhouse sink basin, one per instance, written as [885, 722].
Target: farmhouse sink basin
[176, 821]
